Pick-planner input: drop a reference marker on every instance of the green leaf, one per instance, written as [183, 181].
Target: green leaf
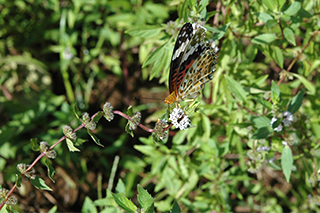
[145, 31]
[289, 35]
[40, 184]
[88, 206]
[275, 93]
[261, 133]
[260, 121]
[287, 162]
[264, 17]
[278, 56]
[124, 203]
[236, 89]
[293, 8]
[120, 188]
[97, 117]
[128, 130]
[264, 38]
[53, 209]
[76, 111]
[310, 86]
[71, 147]
[18, 180]
[144, 198]
[271, 4]
[34, 144]
[155, 55]
[50, 169]
[296, 102]
[265, 103]
[94, 138]
[175, 208]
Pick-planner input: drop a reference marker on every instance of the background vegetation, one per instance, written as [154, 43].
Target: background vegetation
[57, 53]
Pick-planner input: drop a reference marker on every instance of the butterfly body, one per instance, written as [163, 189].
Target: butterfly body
[192, 64]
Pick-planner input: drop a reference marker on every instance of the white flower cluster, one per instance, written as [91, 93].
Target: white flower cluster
[179, 119]
[287, 119]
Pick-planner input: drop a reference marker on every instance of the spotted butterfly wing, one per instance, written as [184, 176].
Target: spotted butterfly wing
[192, 64]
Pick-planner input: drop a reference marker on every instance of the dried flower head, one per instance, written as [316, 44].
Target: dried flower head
[108, 111]
[22, 168]
[135, 121]
[12, 200]
[68, 132]
[160, 133]
[88, 123]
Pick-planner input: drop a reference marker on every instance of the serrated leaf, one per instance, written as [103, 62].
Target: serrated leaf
[264, 38]
[79, 141]
[306, 83]
[287, 162]
[70, 146]
[94, 138]
[97, 117]
[40, 184]
[144, 198]
[289, 35]
[34, 144]
[261, 133]
[293, 8]
[236, 89]
[145, 31]
[296, 102]
[50, 169]
[278, 56]
[175, 208]
[124, 203]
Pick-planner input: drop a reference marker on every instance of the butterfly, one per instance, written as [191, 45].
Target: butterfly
[192, 64]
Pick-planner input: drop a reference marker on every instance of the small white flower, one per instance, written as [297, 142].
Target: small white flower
[279, 128]
[284, 143]
[179, 119]
[263, 148]
[288, 118]
[274, 119]
[67, 53]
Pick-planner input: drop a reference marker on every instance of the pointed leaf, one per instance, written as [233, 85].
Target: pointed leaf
[264, 38]
[50, 169]
[144, 198]
[289, 35]
[71, 147]
[40, 184]
[293, 8]
[278, 56]
[296, 102]
[236, 89]
[94, 138]
[287, 162]
[124, 203]
[261, 133]
[145, 31]
[275, 93]
[97, 117]
[175, 208]
[306, 83]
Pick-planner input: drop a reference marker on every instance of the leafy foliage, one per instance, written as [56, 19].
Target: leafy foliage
[254, 140]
